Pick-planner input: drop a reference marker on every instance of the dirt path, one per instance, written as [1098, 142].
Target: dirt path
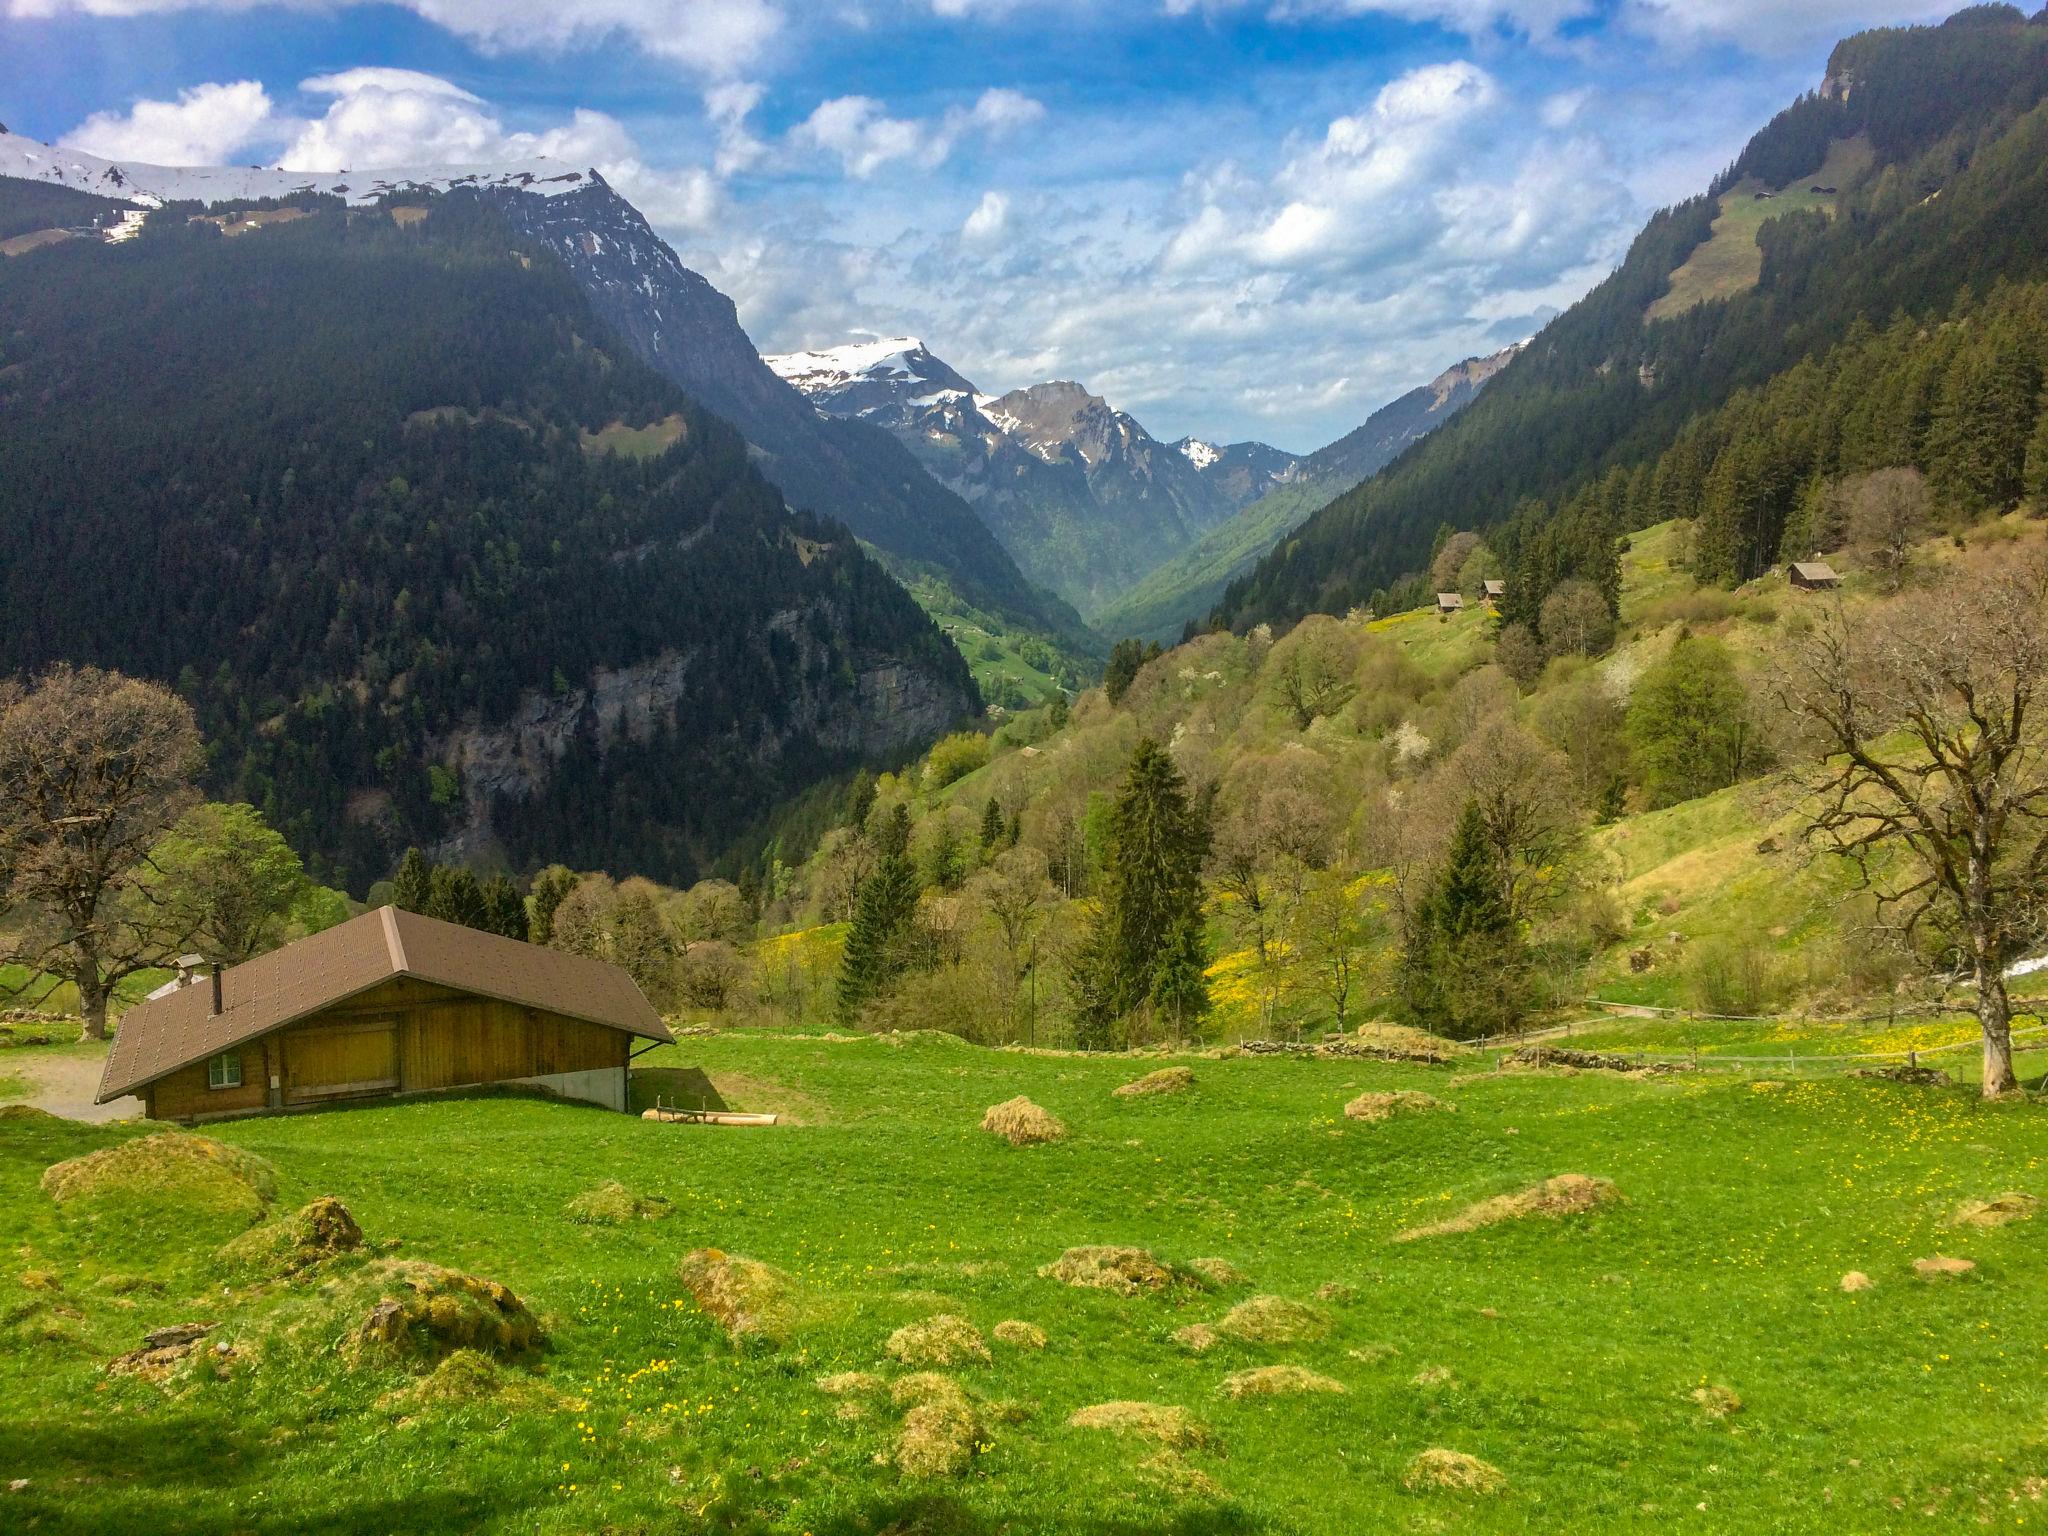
[64, 1085]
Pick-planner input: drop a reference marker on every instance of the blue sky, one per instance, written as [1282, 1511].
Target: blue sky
[1234, 218]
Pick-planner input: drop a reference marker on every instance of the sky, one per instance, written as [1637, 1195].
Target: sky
[1236, 219]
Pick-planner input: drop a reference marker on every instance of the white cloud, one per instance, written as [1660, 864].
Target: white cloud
[1771, 26]
[729, 106]
[206, 125]
[718, 38]
[859, 131]
[1540, 19]
[990, 219]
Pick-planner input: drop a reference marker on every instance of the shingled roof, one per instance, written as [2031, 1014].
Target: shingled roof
[158, 1037]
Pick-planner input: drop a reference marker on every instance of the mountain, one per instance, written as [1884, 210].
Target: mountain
[1907, 182]
[676, 322]
[434, 555]
[1082, 495]
[1186, 587]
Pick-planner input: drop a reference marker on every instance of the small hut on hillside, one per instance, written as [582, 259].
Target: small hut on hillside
[1495, 591]
[1448, 603]
[1814, 576]
[388, 1003]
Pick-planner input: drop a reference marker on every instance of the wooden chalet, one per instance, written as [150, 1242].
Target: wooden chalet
[1814, 576]
[1495, 591]
[387, 1003]
[1448, 603]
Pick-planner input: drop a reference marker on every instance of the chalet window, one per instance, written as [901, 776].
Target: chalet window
[225, 1070]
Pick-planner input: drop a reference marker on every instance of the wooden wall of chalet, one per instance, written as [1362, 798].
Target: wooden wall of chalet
[405, 1036]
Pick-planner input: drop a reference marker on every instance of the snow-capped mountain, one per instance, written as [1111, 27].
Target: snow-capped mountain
[1079, 492]
[672, 317]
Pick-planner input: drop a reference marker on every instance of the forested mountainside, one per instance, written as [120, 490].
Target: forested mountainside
[434, 556]
[1083, 497]
[1943, 133]
[1186, 587]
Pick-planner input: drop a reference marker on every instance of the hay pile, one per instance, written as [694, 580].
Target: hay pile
[941, 1340]
[1165, 1080]
[196, 1173]
[1218, 1272]
[1126, 1271]
[426, 1312]
[939, 1429]
[297, 1242]
[2008, 1207]
[24, 1112]
[1402, 1042]
[1199, 1338]
[611, 1204]
[1277, 1381]
[1856, 1280]
[1940, 1268]
[467, 1376]
[1274, 1320]
[849, 1384]
[1169, 1426]
[1019, 1334]
[743, 1296]
[1434, 1376]
[1022, 1123]
[1717, 1402]
[1374, 1107]
[1568, 1194]
[1453, 1472]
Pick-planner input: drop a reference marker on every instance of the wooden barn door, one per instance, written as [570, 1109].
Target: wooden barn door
[333, 1061]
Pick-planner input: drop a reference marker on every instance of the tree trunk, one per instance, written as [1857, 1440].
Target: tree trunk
[1994, 1014]
[92, 1003]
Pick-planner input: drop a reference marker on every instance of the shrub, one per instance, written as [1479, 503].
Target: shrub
[953, 758]
[1740, 980]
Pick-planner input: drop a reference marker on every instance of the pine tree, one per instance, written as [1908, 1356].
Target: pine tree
[1463, 969]
[504, 908]
[2037, 461]
[550, 886]
[412, 889]
[991, 826]
[882, 914]
[456, 897]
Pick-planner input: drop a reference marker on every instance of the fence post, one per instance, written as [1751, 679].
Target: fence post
[1912, 1058]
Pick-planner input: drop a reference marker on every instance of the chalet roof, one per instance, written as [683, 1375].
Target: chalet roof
[1496, 589]
[175, 1030]
[1449, 600]
[1814, 570]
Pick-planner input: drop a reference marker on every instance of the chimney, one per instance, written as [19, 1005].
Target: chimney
[216, 989]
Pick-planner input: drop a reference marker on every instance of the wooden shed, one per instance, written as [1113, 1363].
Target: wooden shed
[1496, 590]
[1814, 576]
[387, 1003]
[1450, 602]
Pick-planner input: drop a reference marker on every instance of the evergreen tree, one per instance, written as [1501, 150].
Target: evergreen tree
[456, 897]
[1463, 971]
[504, 909]
[991, 826]
[1126, 659]
[550, 886]
[412, 890]
[2037, 461]
[881, 917]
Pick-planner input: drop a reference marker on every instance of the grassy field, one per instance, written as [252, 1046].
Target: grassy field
[1566, 1353]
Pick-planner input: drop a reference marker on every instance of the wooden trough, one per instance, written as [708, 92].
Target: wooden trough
[675, 1114]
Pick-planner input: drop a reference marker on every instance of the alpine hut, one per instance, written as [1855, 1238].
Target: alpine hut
[1814, 576]
[1448, 603]
[387, 1003]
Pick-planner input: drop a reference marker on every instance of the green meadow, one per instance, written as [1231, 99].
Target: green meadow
[1680, 1358]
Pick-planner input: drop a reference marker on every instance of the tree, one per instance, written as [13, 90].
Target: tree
[881, 918]
[991, 827]
[1312, 677]
[504, 909]
[1518, 654]
[455, 896]
[1575, 620]
[1335, 934]
[1448, 563]
[549, 887]
[226, 881]
[95, 768]
[1520, 789]
[413, 890]
[2037, 461]
[1464, 967]
[1014, 891]
[1689, 723]
[1152, 898]
[1930, 768]
[1887, 517]
[1126, 659]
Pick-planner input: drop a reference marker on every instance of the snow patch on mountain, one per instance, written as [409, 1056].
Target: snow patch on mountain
[1200, 454]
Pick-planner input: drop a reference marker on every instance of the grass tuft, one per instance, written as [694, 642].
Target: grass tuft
[1569, 1194]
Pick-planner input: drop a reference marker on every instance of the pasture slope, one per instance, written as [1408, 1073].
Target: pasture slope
[1682, 1358]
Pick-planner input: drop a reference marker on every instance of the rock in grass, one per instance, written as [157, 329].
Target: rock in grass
[939, 1429]
[941, 1340]
[1856, 1280]
[1169, 1426]
[1165, 1080]
[171, 1168]
[426, 1312]
[743, 1296]
[1941, 1268]
[1373, 1107]
[1717, 1402]
[1274, 1320]
[1997, 1212]
[1022, 1123]
[611, 1204]
[290, 1244]
[1278, 1381]
[1019, 1334]
[1452, 1472]
[1568, 1194]
[1126, 1271]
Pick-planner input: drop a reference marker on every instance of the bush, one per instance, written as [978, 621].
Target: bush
[953, 758]
[1740, 980]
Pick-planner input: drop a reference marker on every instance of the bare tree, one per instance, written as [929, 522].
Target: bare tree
[94, 768]
[1523, 790]
[1015, 893]
[1338, 937]
[1931, 770]
[1575, 620]
[1887, 517]
[1313, 674]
